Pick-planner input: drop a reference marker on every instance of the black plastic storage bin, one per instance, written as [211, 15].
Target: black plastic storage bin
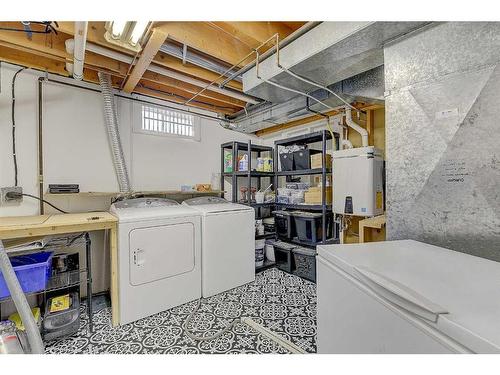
[305, 263]
[286, 161]
[284, 224]
[62, 323]
[283, 256]
[302, 158]
[309, 228]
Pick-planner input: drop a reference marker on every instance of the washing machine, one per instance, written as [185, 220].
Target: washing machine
[228, 244]
[159, 256]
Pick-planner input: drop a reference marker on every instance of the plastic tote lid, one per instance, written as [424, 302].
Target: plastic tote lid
[304, 251]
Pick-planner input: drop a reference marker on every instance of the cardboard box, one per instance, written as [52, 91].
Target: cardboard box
[314, 195]
[203, 187]
[317, 160]
[317, 180]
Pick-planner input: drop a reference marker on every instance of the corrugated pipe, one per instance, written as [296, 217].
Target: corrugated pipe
[362, 131]
[115, 144]
[22, 306]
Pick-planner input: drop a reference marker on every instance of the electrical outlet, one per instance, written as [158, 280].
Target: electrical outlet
[3, 194]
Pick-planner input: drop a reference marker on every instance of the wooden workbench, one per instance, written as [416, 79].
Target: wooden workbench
[44, 225]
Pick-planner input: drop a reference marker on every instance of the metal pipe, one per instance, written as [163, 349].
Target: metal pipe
[22, 306]
[362, 131]
[286, 41]
[170, 73]
[214, 118]
[256, 51]
[191, 57]
[79, 49]
[40, 143]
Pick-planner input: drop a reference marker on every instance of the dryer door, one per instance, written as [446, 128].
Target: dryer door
[160, 252]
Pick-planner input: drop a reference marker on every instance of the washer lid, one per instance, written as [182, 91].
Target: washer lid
[144, 202]
[138, 209]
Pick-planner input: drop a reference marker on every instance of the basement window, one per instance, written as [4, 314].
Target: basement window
[163, 121]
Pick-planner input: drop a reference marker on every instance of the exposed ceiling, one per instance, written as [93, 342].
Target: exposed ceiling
[152, 71]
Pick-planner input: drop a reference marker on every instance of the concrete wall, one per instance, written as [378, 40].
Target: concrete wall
[443, 137]
[76, 151]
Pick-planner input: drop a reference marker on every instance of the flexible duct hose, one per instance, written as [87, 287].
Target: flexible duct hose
[113, 134]
[22, 306]
[288, 345]
[207, 338]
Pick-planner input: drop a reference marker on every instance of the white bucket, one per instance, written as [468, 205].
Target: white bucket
[269, 251]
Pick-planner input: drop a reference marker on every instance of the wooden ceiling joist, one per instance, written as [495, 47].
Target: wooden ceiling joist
[155, 93]
[181, 96]
[95, 34]
[191, 89]
[223, 42]
[147, 55]
[204, 38]
[253, 33]
[173, 63]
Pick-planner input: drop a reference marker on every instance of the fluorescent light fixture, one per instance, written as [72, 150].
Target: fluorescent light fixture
[118, 28]
[126, 34]
[138, 32]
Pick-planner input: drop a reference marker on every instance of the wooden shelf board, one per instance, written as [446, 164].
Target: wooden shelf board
[113, 194]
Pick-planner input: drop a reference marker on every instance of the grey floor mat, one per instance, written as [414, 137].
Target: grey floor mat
[283, 303]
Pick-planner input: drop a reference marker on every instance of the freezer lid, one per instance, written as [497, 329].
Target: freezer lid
[458, 294]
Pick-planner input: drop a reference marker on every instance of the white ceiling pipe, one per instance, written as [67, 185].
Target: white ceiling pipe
[79, 49]
[169, 73]
[362, 131]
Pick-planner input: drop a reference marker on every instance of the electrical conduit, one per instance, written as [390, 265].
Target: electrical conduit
[111, 120]
[22, 306]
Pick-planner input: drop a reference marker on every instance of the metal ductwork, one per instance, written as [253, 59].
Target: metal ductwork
[366, 87]
[115, 144]
[330, 52]
[186, 55]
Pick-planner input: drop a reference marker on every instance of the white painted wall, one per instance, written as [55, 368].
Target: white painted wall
[76, 150]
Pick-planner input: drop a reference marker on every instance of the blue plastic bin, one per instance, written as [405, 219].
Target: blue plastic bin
[33, 272]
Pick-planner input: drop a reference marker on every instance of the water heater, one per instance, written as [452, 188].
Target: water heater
[358, 181]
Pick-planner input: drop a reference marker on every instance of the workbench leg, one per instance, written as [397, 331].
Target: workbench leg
[113, 252]
[88, 248]
[361, 233]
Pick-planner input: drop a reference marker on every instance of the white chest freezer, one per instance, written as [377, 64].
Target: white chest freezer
[358, 181]
[406, 297]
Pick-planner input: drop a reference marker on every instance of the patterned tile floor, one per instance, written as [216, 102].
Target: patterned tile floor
[284, 303]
